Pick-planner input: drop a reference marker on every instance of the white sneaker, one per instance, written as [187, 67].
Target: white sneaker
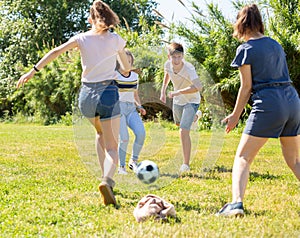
[132, 165]
[122, 170]
[195, 125]
[184, 168]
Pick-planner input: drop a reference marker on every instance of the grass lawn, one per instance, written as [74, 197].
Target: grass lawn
[47, 190]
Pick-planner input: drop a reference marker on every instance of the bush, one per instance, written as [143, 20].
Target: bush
[52, 92]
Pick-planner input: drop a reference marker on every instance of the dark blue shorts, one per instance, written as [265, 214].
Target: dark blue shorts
[99, 99]
[275, 112]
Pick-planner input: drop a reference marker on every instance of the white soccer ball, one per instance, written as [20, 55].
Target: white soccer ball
[147, 171]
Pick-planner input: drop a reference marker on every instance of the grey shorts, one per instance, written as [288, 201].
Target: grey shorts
[99, 99]
[275, 113]
[184, 114]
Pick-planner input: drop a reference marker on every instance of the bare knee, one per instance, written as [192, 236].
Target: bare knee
[184, 132]
[244, 160]
[293, 163]
[290, 151]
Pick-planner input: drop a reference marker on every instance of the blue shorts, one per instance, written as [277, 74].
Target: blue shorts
[184, 114]
[99, 99]
[275, 113]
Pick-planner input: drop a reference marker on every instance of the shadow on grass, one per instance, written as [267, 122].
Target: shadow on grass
[210, 210]
[169, 219]
[222, 169]
[188, 207]
[172, 220]
[212, 174]
[254, 176]
[256, 213]
[169, 175]
[128, 195]
[206, 176]
[207, 173]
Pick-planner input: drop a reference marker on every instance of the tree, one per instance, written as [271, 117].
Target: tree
[25, 26]
[52, 92]
[28, 29]
[150, 55]
[212, 45]
[130, 12]
[211, 42]
[284, 18]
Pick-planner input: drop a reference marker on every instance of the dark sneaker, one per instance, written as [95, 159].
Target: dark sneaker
[107, 194]
[231, 209]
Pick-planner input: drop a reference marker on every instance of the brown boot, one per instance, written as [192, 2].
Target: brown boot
[106, 191]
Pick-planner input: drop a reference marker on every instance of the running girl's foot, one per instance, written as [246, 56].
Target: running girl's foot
[122, 170]
[106, 190]
[132, 165]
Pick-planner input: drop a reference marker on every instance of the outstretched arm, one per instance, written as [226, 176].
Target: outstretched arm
[242, 98]
[50, 56]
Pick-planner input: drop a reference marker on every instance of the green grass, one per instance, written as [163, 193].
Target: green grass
[47, 191]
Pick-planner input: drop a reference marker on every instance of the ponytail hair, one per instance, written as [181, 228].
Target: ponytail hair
[248, 20]
[103, 16]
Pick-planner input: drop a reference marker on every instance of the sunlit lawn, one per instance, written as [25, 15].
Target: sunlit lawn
[47, 191]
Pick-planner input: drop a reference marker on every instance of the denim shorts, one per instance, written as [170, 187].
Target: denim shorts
[275, 113]
[99, 99]
[184, 114]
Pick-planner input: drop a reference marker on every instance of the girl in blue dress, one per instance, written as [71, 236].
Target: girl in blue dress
[276, 106]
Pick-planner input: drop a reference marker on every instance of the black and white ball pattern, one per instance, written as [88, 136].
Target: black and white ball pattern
[147, 171]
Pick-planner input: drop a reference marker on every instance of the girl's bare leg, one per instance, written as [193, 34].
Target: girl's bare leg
[246, 151]
[107, 133]
[186, 145]
[290, 150]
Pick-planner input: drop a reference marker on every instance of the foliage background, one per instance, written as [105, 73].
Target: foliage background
[211, 42]
[28, 30]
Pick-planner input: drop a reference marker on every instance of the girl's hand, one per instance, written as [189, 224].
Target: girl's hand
[24, 78]
[231, 122]
[143, 111]
[163, 98]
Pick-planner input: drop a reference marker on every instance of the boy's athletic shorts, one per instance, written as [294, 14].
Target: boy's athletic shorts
[184, 114]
